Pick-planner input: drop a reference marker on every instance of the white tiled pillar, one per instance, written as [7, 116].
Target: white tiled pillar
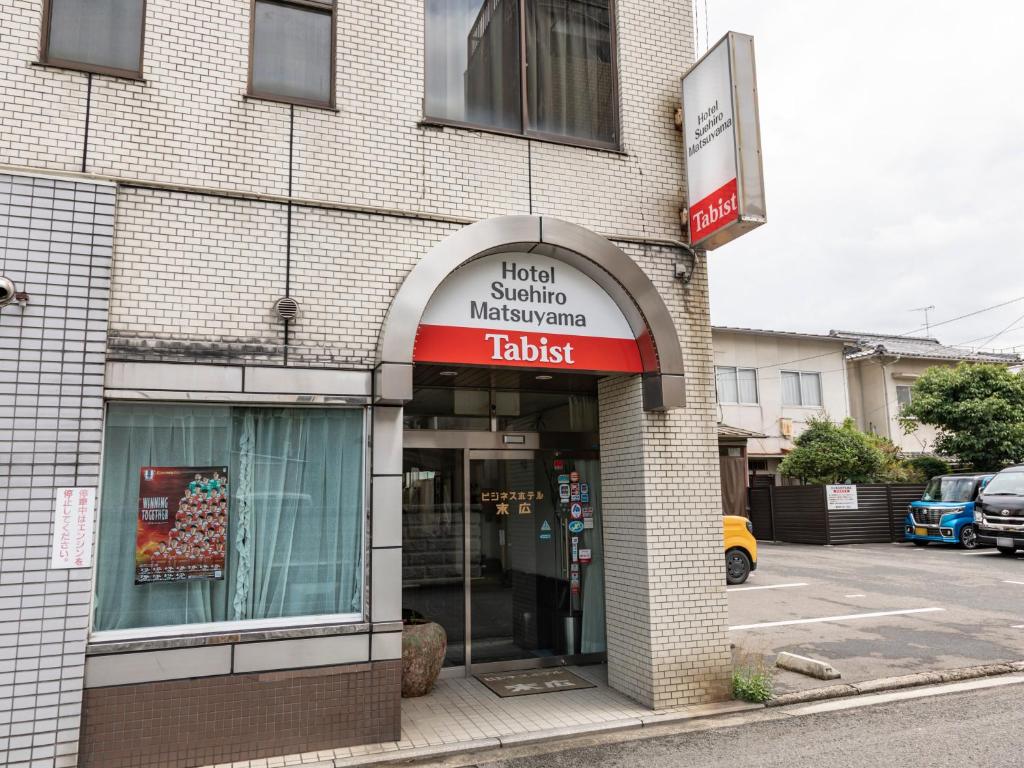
[664, 573]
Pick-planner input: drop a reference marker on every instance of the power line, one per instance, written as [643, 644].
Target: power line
[993, 338]
[961, 317]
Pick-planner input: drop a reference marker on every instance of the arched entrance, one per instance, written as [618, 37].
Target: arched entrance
[624, 283]
[486, 432]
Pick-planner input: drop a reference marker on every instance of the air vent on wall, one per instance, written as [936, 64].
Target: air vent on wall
[287, 308]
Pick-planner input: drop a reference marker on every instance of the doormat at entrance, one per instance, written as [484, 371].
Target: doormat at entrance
[530, 681]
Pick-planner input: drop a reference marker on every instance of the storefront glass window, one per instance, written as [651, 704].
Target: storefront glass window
[215, 514]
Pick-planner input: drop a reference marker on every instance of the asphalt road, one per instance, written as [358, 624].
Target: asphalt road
[966, 607]
[979, 729]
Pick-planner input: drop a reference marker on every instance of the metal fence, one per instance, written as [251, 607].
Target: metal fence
[799, 514]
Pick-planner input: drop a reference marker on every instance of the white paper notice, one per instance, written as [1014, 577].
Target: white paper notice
[72, 532]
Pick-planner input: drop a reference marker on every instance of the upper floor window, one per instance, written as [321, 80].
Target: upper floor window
[102, 36]
[736, 385]
[800, 388]
[542, 68]
[904, 394]
[292, 57]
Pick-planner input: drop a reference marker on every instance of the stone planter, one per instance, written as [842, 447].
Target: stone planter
[423, 647]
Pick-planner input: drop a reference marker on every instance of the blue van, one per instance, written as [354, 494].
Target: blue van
[946, 511]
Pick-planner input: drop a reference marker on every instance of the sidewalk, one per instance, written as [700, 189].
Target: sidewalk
[461, 714]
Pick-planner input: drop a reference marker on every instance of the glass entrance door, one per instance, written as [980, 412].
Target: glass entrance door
[515, 576]
[532, 555]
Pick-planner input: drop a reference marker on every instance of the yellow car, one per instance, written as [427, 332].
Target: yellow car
[740, 549]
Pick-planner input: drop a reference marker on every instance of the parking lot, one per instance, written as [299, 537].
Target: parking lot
[878, 610]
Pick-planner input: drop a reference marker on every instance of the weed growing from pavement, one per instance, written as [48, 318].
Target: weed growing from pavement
[752, 680]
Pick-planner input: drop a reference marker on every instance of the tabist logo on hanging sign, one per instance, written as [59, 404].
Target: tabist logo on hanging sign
[525, 311]
[721, 131]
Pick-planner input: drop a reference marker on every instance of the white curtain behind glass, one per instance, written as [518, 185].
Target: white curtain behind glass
[162, 436]
[790, 388]
[302, 507]
[295, 517]
[746, 381]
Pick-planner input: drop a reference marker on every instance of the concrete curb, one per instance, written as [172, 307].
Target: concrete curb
[896, 683]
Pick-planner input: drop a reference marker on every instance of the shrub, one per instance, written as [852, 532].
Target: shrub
[752, 682]
[929, 466]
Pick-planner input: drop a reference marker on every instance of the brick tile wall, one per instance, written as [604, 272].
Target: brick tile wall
[55, 243]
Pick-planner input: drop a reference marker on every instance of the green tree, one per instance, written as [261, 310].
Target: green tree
[978, 410]
[830, 453]
[894, 468]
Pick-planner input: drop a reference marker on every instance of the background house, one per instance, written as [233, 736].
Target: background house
[770, 383]
[881, 371]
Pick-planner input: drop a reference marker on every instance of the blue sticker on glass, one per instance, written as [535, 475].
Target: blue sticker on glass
[575, 526]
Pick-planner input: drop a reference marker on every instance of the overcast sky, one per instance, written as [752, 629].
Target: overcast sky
[893, 137]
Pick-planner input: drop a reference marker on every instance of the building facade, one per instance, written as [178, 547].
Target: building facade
[252, 237]
[770, 383]
[882, 371]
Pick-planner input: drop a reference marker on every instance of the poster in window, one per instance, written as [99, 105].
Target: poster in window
[182, 528]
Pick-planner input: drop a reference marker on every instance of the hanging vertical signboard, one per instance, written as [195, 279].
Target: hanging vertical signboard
[722, 144]
[182, 527]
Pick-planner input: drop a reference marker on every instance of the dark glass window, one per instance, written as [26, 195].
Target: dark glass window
[293, 52]
[96, 35]
[480, 64]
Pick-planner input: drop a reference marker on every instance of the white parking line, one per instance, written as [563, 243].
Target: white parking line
[1008, 581]
[1017, 626]
[853, 595]
[769, 586]
[980, 552]
[847, 617]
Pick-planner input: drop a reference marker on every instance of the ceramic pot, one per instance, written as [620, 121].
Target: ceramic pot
[423, 647]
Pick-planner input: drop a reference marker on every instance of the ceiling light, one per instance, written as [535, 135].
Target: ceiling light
[544, 377]
[449, 373]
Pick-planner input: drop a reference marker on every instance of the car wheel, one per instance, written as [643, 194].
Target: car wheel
[968, 537]
[737, 566]
[1008, 551]
[920, 543]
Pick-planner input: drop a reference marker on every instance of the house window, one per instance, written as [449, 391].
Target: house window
[904, 394]
[293, 52]
[736, 385]
[801, 389]
[102, 36]
[215, 517]
[542, 68]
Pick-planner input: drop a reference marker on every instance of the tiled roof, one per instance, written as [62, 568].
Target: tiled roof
[863, 345]
[736, 433]
[763, 332]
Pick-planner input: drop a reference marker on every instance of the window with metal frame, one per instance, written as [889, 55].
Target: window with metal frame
[736, 385]
[102, 36]
[292, 51]
[538, 68]
[217, 517]
[802, 389]
[904, 395]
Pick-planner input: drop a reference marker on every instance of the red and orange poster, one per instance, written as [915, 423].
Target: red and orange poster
[182, 527]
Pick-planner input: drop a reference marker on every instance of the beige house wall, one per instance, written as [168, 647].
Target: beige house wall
[771, 354]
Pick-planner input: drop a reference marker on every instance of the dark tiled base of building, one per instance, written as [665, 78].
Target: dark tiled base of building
[186, 723]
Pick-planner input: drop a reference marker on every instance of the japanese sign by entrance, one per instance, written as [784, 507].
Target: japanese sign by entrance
[72, 531]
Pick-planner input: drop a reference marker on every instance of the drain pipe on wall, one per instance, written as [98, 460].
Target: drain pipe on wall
[885, 392]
